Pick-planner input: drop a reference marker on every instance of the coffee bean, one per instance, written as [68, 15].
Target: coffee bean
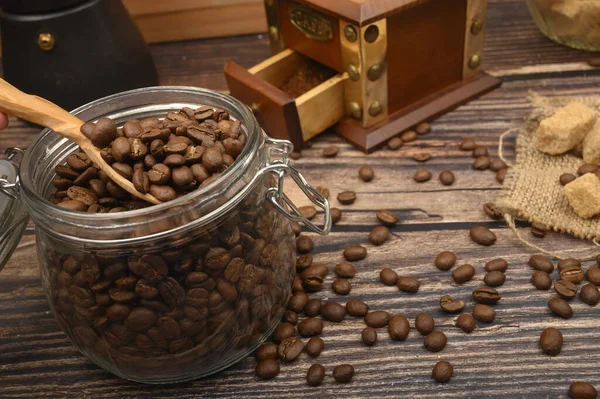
[140, 181]
[345, 270]
[289, 349]
[539, 262]
[466, 322]
[319, 270]
[560, 307]
[303, 262]
[481, 163]
[422, 175]
[501, 175]
[480, 151]
[463, 273]
[442, 371]
[379, 235]
[315, 375]
[467, 145]
[297, 301]
[296, 228]
[388, 276]
[121, 149]
[182, 176]
[81, 194]
[482, 235]
[572, 273]
[355, 252]
[369, 336]
[450, 305]
[314, 346]
[377, 319]
[140, 319]
[589, 294]
[331, 151]
[395, 143]
[290, 317]
[494, 279]
[357, 308]
[422, 156]
[541, 280]
[568, 262]
[346, 197]
[593, 275]
[582, 390]
[498, 264]
[283, 331]
[445, 260]
[343, 373]
[578, 150]
[484, 313]
[408, 136]
[424, 323]
[295, 155]
[435, 341]
[551, 341]
[423, 128]
[304, 244]
[566, 178]
[447, 178]
[78, 161]
[267, 369]
[212, 159]
[486, 295]
[387, 218]
[398, 328]
[565, 289]
[408, 284]
[336, 215]
[492, 211]
[341, 286]
[539, 230]
[312, 307]
[123, 169]
[308, 211]
[587, 168]
[310, 326]
[497, 164]
[333, 311]
[366, 173]
[66, 172]
[266, 351]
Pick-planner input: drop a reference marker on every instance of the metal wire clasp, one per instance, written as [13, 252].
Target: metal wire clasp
[277, 163]
[7, 187]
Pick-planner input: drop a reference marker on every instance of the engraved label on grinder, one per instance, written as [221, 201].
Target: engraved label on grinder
[310, 22]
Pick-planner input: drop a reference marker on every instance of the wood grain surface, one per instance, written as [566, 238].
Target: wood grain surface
[497, 360]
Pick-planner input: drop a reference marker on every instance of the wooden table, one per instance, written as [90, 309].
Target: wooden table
[498, 360]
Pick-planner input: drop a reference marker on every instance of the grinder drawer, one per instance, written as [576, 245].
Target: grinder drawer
[295, 114]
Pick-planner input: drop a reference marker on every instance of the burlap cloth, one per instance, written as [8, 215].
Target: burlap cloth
[531, 187]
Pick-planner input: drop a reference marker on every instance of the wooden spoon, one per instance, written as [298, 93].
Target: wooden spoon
[43, 112]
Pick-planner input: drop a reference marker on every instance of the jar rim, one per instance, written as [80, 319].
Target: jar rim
[43, 206]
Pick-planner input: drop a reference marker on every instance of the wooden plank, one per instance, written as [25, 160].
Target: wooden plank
[146, 7]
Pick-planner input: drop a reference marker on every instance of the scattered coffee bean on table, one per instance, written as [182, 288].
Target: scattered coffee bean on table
[593, 275]
[482, 235]
[422, 156]
[582, 390]
[560, 307]
[267, 369]
[346, 197]
[424, 323]
[355, 252]
[423, 128]
[341, 286]
[541, 263]
[566, 178]
[310, 326]
[315, 375]
[312, 307]
[572, 273]
[497, 164]
[336, 215]
[539, 230]
[422, 175]
[587, 168]
[408, 284]
[290, 317]
[480, 151]
[308, 211]
[486, 295]
[468, 145]
[304, 244]
[357, 308]
[323, 191]
[447, 177]
[266, 351]
[343, 373]
[331, 151]
[369, 336]
[481, 163]
[303, 262]
[295, 155]
[408, 136]
[366, 173]
[484, 313]
[496, 265]
[379, 235]
[589, 294]
[463, 273]
[398, 328]
[466, 322]
[501, 175]
[551, 341]
[450, 305]
[387, 218]
[568, 262]
[345, 270]
[298, 300]
[565, 289]
[289, 349]
[333, 311]
[395, 143]
[377, 319]
[435, 341]
[388, 276]
[492, 211]
[283, 331]
[445, 260]
[442, 371]
[494, 279]
[314, 346]
[541, 280]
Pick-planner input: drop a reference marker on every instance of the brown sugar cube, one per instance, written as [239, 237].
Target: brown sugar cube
[583, 194]
[591, 145]
[565, 129]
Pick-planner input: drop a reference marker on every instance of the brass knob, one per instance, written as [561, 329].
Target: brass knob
[254, 107]
[477, 26]
[355, 110]
[46, 41]
[350, 33]
[274, 33]
[375, 72]
[375, 108]
[353, 72]
[372, 33]
[475, 61]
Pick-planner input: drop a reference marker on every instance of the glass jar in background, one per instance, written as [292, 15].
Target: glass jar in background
[573, 23]
[175, 291]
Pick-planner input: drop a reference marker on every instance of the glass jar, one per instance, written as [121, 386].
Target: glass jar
[573, 23]
[175, 291]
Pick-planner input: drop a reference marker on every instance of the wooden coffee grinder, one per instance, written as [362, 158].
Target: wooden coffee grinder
[396, 63]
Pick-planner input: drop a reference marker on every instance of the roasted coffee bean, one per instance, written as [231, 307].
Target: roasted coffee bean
[481, 163]
[479, 151]
[140, 181]
[355, 252]
[140, 319]
[345, 270]
[308, 211]
[315, 375]
[343, 373]
[388, 276]
[346, 197]
[212, 159]
[492, 211]
[494, 265]
[182, 176]
[501, 175]
[466, 322]
[551, 341]
[121, 149]
[73, 205]
[408, 136]
[336, 215]
[589, 294]
[315, 270]
[539, 262]
[445, 260]
[539, 230]
[447, 177]
[103, 132]
[568, 262]
[78, 161]
[66, 172]
[593, 275]
[366, 174]
[310, 326]
[560, 307]
[60, 183]
[566, 178]
[290, 317]
[484, 313]
[395, 143]
[424, 323]
[289, 349]
[312, 307]
[341, 286]
[283, 331]
[435, 341]
[333, 311]
[541, 280]
[482, 235]
[296, 228]
[377, 319]
[387, 218]
[467, 145]
[494, 279]
[297, 301]
[497, 164]
[76, 193]
[422, 175]
[379, 235]
[398, 328]
[565, 289]
[267, 369]
[330, 151]
[578, 150]
[422, 156]
[303, 262]
[123, 169]
[582, 390]
[369, 336]
[450, 305]
[357, 308]
[423, 128]
[304, 244]
[408, 284]
[572, 273]
[463, 273]
[442, 371]
[587, 168]
[159, 174]
[486, 295]
[173, 160]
